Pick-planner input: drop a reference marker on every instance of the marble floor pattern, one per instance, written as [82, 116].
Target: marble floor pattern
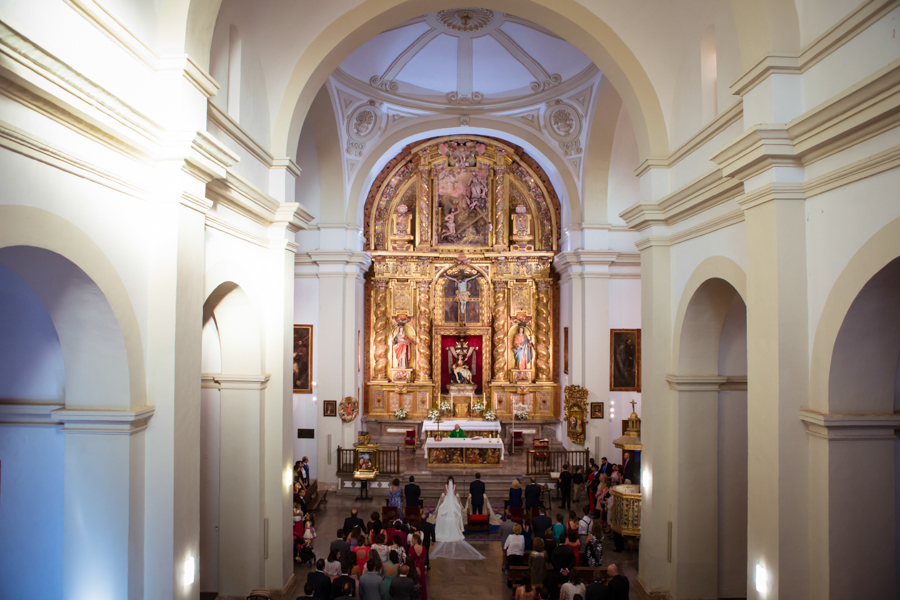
[447, 579]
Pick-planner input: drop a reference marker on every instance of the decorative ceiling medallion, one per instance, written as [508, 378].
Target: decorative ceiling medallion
[563, 123]
[466, 20]
[362, 125]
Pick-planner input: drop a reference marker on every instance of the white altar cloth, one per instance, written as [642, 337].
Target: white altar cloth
[447, 426]
[495, 443]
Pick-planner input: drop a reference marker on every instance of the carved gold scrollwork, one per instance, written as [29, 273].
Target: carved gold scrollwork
[381, 330]
[424, 198]
[500, 202]
[576, 412]
[543, 330]
[500, 330]
[423, 346]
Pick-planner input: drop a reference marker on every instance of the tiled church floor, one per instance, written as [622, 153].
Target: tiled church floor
[448, 579]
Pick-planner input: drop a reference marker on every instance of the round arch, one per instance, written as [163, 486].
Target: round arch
[716, 279]
[38, 228]
[583, 29]
[877, 253]
[559, 174]
[228, 291]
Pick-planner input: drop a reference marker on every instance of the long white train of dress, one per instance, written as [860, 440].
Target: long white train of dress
[449, 530]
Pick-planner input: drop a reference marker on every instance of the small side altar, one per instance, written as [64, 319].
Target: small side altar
[464, 452]
[470, 427]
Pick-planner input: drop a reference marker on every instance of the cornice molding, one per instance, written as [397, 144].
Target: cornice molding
[22, 142]
[112, 28]
[842, 32]
[771, 192]
[214, 222]
[30, 61]
[321, 264]
[730, 218]
[201, 205]
[696, 383]
[704, 192]
[102, 421]
[28, 413]
[861, 169]
[842, 427]
[208, 158]
[242, 196]
[232, 129]
[293, 215]
[222, 381]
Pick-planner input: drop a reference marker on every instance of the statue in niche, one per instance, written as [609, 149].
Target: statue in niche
[402, 221]
[523, 349]
[459, 356]
[402, 344]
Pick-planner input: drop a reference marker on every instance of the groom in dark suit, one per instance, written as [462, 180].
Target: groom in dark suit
[412, 492]
[476, 488]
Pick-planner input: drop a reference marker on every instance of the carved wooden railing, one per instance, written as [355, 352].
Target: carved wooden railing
[544, 462]
[388, 461]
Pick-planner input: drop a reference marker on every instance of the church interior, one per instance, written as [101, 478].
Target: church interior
[404, 237]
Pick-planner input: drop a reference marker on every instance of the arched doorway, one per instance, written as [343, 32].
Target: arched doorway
[709, 546]
[231, 424]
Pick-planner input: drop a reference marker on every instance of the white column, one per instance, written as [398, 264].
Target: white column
[103, 514]
[695, 532]
[340, 274]
[241, 483]
[586, 274]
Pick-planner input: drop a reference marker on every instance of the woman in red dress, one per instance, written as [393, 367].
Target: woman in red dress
[419, 554]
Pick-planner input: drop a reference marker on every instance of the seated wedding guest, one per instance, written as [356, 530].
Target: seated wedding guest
[525, 591]
[321, 582]
[333, 564]
[573, 588]
[515, 494]
[391, 569]
[598, 589]
[537, 563]
[309, 590]
[370, 583]
[574, 544]
[619, 585]
[362, 552]
[515, 547]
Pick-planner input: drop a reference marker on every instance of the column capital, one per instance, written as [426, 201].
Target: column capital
[103, 421]
[836, 427]
[696, 383]
[331, 263]
[222, 381]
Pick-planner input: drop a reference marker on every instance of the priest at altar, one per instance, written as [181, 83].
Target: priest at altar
[457, 432]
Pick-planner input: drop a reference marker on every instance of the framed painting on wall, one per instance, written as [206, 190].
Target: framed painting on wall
[303, 356]
[624, 360]
[596, 410]
[329, 408]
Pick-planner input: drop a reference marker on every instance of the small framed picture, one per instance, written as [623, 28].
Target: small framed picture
[330, 408]
[596, 410]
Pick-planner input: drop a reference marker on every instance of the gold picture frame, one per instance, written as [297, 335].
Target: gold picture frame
[329, 408]
[303, 359]
[625, 360]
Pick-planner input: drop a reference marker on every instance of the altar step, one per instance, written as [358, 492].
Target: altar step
[432, 485]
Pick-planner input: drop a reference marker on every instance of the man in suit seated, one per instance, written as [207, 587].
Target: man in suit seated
[412, 492]
[619, 585]
[532, 495]
[598, 589]
[402, 587]
[320, 581]
[476, 488]
[353, 521]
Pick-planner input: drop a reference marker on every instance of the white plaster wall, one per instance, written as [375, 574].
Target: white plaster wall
[210, 445]
[31, 520]
[624, 313]
[308, 187]
[306, 410]
[31, 362]
[624, 187]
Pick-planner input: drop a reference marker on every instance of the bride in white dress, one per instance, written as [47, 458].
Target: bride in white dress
[449, 528]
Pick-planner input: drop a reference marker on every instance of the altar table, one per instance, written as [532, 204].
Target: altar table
[470, 427]
[464, 452]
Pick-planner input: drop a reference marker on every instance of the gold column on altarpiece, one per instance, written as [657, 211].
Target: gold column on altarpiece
[423, 327]
[500, 327]
[543, 330]
[380, 324]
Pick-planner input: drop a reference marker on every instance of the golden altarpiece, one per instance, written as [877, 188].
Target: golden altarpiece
[461, 299]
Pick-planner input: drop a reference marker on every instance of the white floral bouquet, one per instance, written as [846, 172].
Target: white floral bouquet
[478, 406]
[445, 406]
[434, 415]
[490, 416]
[520, 412]
[401, 414]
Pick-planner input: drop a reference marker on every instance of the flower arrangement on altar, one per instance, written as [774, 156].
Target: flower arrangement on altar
[478, 407]
[434, 415]
[520, 412]
[490, 416]
[445, 406]
[401, 414]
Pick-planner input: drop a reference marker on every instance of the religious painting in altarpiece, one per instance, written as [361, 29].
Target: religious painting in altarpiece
[461, 298]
